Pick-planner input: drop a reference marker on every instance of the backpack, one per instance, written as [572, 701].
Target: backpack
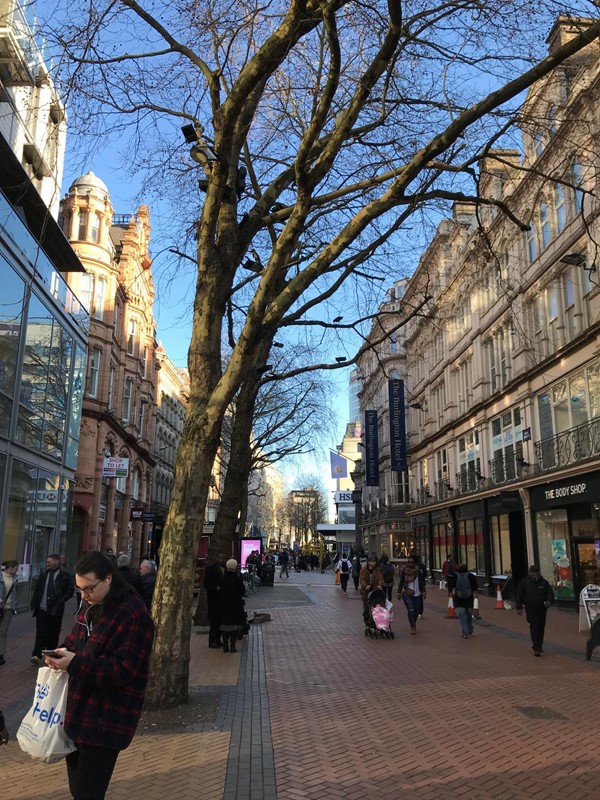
[345, 567]
[463, 586]
[388, 574]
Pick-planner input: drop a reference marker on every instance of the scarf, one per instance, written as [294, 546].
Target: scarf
[411, 572]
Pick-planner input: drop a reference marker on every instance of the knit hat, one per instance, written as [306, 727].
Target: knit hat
[231, 565]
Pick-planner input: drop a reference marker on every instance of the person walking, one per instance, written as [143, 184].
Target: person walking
[345, 566]
[535, 593]
[464, 588]
[449, 567]
[284, 563]
[356, 567]
[370, 578]
[411, 590]
[8, 602]
[106, 656]
[231, 602]
[53, 588]
[388, 572]
[213, 577]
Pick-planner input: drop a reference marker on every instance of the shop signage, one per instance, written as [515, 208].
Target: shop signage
[371, 436]
[398, 458]
[115, 467]
[343, 497]
[148, 517]
[589, 599]
[136, 514]
[583, 488]
[526, 434]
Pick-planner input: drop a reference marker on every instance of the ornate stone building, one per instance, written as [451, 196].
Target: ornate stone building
[119, 409]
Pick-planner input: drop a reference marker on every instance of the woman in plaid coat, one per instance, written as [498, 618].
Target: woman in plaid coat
[106, 656]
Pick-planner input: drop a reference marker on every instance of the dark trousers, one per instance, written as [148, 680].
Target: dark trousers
[536, 617]
[344, 577]
[47, 632]
[89, 770]
[355, 579]
[389, 590]
[214, 616]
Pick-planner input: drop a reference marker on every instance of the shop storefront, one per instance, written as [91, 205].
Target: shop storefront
[469, 537]
[442, 530]
[508, 546]
[567, 533]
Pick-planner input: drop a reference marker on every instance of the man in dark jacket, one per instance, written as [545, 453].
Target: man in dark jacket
[535, 593]
[53, 588]
[131, 576]
[148, 574]
[213, 577]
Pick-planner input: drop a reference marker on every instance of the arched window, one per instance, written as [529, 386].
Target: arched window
[538, 144]
[560, 210]
[135, 485]
[95, 230]
[577, 181]
[531, 241]
[545, 225]
[552, 123]
[83, 221]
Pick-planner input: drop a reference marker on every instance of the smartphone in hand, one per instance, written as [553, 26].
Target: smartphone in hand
[52, 654]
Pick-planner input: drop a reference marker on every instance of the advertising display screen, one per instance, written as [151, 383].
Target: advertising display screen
[247, 546]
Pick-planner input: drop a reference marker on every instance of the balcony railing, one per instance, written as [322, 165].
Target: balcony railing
[469, 481]
[569, 447]
[507, 468]
[443, 490]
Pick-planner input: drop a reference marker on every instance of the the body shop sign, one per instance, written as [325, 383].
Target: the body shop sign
[115, 467]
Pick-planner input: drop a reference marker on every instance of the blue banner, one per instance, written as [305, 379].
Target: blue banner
[398, 456]
[371, 436]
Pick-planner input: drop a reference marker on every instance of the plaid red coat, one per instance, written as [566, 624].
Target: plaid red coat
[108, 676]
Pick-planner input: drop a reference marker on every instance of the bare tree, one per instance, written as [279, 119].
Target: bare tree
[320, 129]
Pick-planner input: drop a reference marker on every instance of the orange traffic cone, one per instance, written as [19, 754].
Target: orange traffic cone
[451, 612]
[476, 608]
[499, 602]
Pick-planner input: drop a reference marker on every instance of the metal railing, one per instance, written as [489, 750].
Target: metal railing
[507, 468]
[443, 490]
[468, 481]
[569, 447]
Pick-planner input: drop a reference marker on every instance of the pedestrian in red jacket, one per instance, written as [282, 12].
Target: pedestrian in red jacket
[106, 656]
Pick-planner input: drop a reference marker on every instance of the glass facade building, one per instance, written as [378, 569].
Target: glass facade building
[43, 345]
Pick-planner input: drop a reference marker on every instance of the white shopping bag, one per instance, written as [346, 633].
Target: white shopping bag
[41, 734]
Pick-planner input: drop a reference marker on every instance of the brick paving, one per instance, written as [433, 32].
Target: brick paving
[310, 708]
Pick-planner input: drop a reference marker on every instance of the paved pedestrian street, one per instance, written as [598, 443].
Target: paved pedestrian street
[311, 708]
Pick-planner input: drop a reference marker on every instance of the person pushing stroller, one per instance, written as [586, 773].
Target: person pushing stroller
[370, 578]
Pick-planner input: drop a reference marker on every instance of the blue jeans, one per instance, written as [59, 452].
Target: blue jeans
[465, 616]
[414, 607]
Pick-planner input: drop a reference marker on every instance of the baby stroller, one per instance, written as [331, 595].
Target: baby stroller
[378, 618]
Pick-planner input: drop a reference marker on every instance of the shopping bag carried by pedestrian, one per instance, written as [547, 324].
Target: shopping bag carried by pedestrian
[41, 734]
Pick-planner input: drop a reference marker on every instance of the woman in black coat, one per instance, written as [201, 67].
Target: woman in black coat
[231, 600]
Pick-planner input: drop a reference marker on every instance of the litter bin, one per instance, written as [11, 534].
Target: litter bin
[268, 575]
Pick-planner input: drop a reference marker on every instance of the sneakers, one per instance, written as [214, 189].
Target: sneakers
[2, 661]
[38, 662]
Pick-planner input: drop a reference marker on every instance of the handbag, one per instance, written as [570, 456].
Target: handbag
[409, 592]
[41, 734]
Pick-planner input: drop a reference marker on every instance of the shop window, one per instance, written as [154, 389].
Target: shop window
[552, 529]
[501, 558]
